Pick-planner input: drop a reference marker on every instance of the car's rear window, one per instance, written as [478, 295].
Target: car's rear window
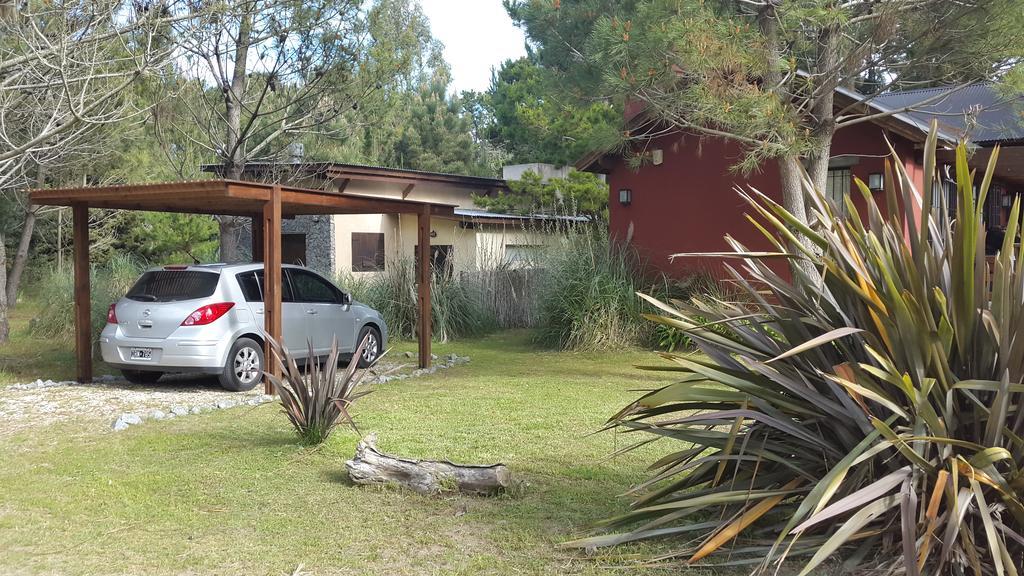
[173, 285]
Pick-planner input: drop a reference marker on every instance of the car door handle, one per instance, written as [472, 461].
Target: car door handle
[312, 312]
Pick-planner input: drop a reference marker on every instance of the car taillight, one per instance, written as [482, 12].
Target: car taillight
[112, 314]
[208, 314]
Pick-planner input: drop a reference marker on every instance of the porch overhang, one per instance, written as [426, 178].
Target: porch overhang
[1009, 167]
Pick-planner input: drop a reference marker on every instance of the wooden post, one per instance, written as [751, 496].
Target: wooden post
[423, 289]
[257, 238]
[83, 309]
[271, 232]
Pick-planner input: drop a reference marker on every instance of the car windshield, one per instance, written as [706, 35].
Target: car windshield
[173, 285]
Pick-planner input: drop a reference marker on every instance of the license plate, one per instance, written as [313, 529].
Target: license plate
[142, 354]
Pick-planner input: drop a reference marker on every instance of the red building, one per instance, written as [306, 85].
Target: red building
[684, 198]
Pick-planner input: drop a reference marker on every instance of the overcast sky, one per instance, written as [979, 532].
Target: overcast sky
[477, 34]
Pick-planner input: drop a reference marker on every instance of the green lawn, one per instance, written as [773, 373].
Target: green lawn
[232, 492]
[23, 359]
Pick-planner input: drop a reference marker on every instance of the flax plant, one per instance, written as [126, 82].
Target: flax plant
[317, 400]
[874, 418]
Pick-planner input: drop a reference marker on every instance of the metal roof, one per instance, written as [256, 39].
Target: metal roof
[978, 112]
[364, 171]
[471, 213]
[1000, 119]
[922, 125]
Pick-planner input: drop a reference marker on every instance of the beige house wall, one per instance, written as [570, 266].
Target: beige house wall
[493, 240]
[480, 246]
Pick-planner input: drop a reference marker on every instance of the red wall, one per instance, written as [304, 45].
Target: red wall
[689, 203]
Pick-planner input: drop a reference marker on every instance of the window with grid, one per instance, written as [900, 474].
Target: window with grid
[837, 184]
[367, 251]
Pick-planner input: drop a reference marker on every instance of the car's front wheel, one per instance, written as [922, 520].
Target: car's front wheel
[371, 351]
[141, 376]
[244, 367]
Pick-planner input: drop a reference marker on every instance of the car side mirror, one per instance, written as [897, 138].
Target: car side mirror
[346, 299]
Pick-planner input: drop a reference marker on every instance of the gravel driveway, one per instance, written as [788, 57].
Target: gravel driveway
[111, 403]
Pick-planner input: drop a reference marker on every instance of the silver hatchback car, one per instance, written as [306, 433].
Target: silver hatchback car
[208, 319]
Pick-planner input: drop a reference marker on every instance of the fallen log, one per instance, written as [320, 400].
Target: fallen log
[370, 466]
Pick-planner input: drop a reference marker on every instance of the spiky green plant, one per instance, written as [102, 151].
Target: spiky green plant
[315, 401]
[873, 415]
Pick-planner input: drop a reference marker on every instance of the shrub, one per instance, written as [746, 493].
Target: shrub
[876, 412]
[588, 294]
[456, 309]
[704, 285]
[108, 282]
[315, 401]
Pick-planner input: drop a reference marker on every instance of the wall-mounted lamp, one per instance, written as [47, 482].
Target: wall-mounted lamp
[625, 196]
[433, 233]
[876, 181]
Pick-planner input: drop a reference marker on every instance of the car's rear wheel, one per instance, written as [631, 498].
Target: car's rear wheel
[372, 349]
[244, 367]
[141, 376]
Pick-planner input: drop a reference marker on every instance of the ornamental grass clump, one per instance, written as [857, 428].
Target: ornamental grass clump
[869, 411]
[317, 400]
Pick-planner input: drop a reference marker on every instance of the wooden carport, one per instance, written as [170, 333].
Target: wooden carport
[266, 204]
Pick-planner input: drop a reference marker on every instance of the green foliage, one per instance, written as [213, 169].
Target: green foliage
[577, 193]
[56, 294]
[178, 238]
[437, 136]
[409, 120]
[534, 118]
[557, 31]
[878, 415]
[671, 339]
[405, 118]
[734, 69]
[316, 400]
[456, 309]
[588, 295]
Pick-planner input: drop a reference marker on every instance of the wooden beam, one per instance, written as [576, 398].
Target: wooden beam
[423, 286]
[407, 190]
[83, 312]
[272, 279]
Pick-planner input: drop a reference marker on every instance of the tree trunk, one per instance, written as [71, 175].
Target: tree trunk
[234, 151]
[4, 324]
[792, 186]
[370, 466]
[789, 165]
[230, 227]
[27, 229]
[21, 257]
[823, 120]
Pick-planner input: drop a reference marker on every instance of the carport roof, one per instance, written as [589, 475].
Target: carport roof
[230, 197]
